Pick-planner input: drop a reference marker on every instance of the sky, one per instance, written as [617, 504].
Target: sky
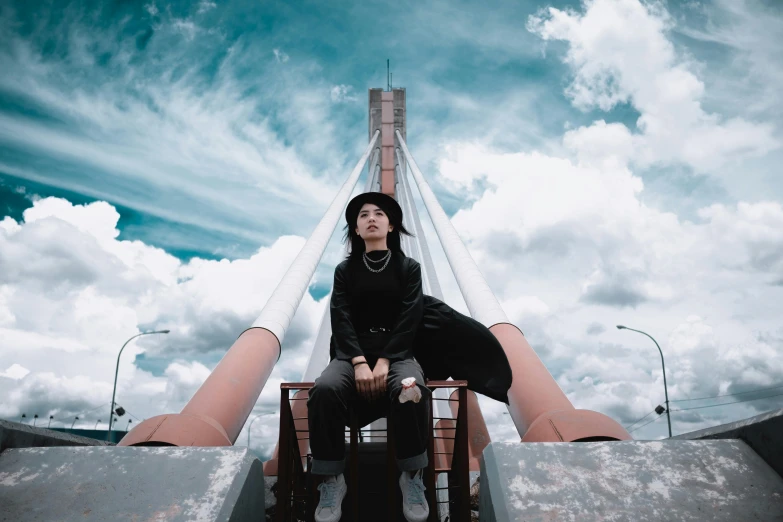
[605, 162]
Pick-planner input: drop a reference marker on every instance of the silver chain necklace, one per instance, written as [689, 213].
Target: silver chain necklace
[386, 258]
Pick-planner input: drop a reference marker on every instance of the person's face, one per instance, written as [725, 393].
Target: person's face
[372, 223]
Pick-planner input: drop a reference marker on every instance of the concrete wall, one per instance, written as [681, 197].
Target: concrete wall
[16, 435]
[634, 481]
[763, 433]
[132, 484]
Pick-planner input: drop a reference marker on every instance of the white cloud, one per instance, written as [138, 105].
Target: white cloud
[185, 26]
[748, 237]
[207, 149]
[205, 6]
[15, 372]
[72, 292]
[572, 250]
[343, 93]
[280, 56]
[747, 79]
[42, 393]
[7, 317]
[183, 379]
[619, 52]
[572, 246]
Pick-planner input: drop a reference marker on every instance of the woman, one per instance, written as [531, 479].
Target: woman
[376, 308]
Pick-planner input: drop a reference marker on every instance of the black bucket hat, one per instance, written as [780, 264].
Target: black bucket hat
[387, 203]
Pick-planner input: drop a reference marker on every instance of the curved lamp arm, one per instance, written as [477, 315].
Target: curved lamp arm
[663, 365]
[255, 419]
[117, 371]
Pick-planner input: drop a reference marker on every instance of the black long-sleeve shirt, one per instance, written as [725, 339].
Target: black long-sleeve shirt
[375, 297]
[362, 300]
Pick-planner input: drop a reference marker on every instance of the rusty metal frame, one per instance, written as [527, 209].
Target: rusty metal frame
[458, 471]
[292, 480]
[296, 486]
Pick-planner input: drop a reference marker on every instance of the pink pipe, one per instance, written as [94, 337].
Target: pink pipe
[216, 413]
[478, 435]
[539, 407]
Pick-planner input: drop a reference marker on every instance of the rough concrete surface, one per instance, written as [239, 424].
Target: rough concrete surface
[763, 433]
[131, 484]
[631, 480]
[270, 497]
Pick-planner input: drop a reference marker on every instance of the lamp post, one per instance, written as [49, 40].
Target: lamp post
[117, 371]
[663, 365]
[251, 424]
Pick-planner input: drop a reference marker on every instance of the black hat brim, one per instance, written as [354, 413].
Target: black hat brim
[388, 203]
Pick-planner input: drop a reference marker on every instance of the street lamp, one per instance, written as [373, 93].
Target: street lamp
[117, 371]
[663, 365]
[252, 421]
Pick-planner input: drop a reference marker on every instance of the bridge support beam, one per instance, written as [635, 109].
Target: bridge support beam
[537, 404]
[478, 435]
[219, 409]
[540, 410]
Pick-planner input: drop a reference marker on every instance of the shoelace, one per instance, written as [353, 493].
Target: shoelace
[415, 490]
[328, 492]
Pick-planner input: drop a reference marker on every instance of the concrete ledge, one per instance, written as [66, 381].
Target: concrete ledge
[17, 435]
[67, 484]
[636, 481]
[763, 433]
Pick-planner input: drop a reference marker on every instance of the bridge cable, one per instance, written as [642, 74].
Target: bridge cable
[645, 424]
[727, 403]
[640, 420]
[729, 394]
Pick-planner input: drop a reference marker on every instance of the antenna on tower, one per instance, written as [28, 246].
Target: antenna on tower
[388, 76]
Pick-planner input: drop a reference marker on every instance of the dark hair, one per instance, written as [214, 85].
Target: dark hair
[392, 239]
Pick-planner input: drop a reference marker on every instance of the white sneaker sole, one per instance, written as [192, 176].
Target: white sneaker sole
[340, 497]
[413, 518]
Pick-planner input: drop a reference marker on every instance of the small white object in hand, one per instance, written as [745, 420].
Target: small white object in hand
[410, 391]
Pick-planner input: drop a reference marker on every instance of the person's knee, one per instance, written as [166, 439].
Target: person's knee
[396, 389]
[326, 389]
[395, 380]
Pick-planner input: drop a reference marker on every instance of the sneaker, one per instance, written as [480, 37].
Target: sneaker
[414, 503]
[333, 492]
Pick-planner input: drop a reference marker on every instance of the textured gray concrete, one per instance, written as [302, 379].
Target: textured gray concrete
[634, 481]
[131, 484]
[16, 435]
[270, 498]
[763, 433]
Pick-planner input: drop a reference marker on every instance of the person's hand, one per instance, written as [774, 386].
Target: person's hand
[380, 374]
[364, 380]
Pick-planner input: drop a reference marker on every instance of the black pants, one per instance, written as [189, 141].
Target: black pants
[334, 396]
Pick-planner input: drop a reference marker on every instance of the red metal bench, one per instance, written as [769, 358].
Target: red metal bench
[297, 494]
